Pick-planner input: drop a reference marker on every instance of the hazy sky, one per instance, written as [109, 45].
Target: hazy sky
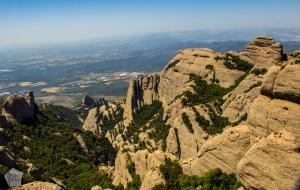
[44, 21]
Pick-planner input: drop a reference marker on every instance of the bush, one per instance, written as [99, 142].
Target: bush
[258, 71]
[187, 122]
[204, 123]
[172, 64]
[209, 67]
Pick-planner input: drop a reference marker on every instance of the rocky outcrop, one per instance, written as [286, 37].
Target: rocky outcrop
[272, 163]
[19, 109]
[6, 159]
[283, 83]
[121, 176]
[88, 101]
[96, 120]
[91, 122]
[142, 91]
[37, 185]
[223, 151]
[81, 142]
[175, 77]
[263, 51]
[146, 166]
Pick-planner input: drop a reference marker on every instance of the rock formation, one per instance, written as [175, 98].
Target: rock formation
[19, 109]
[143, 91]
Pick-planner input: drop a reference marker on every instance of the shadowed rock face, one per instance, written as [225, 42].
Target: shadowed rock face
[19, 109]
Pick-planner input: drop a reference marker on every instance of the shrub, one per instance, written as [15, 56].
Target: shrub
[187, 122]
[258, 71]
[204, 123]
[172, 64]
[135, 184]
[236, 63]
[209, 67]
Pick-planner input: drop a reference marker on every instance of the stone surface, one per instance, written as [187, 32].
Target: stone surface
[263, 51]
[91, 122]
[222, 151]
[273, 115]
[283, 84]
[96, 187]
[272, 163]
[121, 176]
[37, 185]
[174, 78]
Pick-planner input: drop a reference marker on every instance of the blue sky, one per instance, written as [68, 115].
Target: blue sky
[51, 21]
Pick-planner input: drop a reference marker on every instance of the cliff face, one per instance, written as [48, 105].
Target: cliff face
[238, 111]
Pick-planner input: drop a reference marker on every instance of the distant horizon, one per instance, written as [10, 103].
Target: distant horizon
[58, 21]
[138, 35]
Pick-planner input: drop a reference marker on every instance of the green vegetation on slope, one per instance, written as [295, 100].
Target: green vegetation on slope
[152, 115]
[213, 180]
[51, 142]
[236, 63]
[187, 122]
[135, 184]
